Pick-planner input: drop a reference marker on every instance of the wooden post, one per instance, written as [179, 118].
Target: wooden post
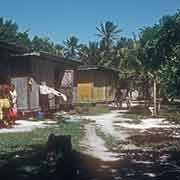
[155, 98]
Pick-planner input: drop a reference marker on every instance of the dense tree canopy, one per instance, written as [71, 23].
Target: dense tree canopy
[156, 50]
[8, 30]
[159, 52]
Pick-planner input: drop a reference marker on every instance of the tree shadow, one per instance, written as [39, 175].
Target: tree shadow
[33, 164]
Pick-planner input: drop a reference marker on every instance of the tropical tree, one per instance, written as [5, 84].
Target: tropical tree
[71, 47]
[108, 33]
[159, 53]
[90, 53]
[43, 44]
[8, 30]
[24, 40]
[59, 50]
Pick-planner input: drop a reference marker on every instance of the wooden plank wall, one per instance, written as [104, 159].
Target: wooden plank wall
[27, 99]
[44, 71]
[99, 89]
[84, 86]
[95, 86]
[22, 92]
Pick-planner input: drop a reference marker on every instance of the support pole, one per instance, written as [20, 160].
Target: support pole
[155, 97]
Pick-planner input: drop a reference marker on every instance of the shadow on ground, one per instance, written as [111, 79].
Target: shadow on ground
[26, 165]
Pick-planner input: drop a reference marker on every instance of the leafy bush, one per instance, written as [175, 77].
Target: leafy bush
[141, 110]
[92, 109]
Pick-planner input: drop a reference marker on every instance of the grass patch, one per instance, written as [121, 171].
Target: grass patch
[109, 140]
[24, 156]
[136, 118]
[140, 110]
[137, 113]
[25, 141]
[89, 109]
[172, 116]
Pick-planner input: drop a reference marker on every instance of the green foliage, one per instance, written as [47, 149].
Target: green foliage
[140, 110]
[45, 44]
[8, 30]
[71, 47]
[109, 33]
[155, 53]
[90, 54]
[25, 141]
[24, 40]
[90, 109]
[170, 75]
[159, 53]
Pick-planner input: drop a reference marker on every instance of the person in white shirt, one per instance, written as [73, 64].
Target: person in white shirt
[13, 102]
[44, 101]
[44, 92]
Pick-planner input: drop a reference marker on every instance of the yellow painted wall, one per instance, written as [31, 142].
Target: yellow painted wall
[99, 94]
[95, 86]
[84, 92]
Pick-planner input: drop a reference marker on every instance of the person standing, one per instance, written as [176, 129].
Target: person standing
[118, 98]
[4, 101]
[44, 99]
[13, 101]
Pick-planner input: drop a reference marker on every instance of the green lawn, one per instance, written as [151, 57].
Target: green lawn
[23, 142]
[170, 112]
[92, 109]
[23, 155]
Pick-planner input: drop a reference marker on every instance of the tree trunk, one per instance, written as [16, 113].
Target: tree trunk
[155, 98]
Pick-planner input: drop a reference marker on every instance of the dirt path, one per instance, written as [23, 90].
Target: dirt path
[94, 145]
[127, 134]
[122, 148]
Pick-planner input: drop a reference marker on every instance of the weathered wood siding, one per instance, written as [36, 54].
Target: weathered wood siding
[84, 86]
[22, 92]
[44, 71]
[27, 99]
[99, 89]
[95, 86]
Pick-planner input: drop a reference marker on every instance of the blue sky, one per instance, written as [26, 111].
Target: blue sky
[59, 19]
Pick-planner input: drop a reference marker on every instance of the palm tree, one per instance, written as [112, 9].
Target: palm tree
[8, 30]
[59, 50]
[109, 33]
[71, 47]
[90, 53]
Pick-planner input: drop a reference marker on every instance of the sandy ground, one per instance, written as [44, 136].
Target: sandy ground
[26, 126]
[110, 124]
[94, 145]
[120, 128]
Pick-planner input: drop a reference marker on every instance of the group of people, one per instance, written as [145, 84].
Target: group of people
[8, 105]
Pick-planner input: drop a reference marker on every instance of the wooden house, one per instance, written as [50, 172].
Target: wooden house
[27, 70]
[95, 84]
[6, 50]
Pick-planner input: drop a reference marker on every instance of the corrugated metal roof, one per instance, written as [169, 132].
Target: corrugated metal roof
[49, 57]
[12, 46]
[96, 67]
[23, 52]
